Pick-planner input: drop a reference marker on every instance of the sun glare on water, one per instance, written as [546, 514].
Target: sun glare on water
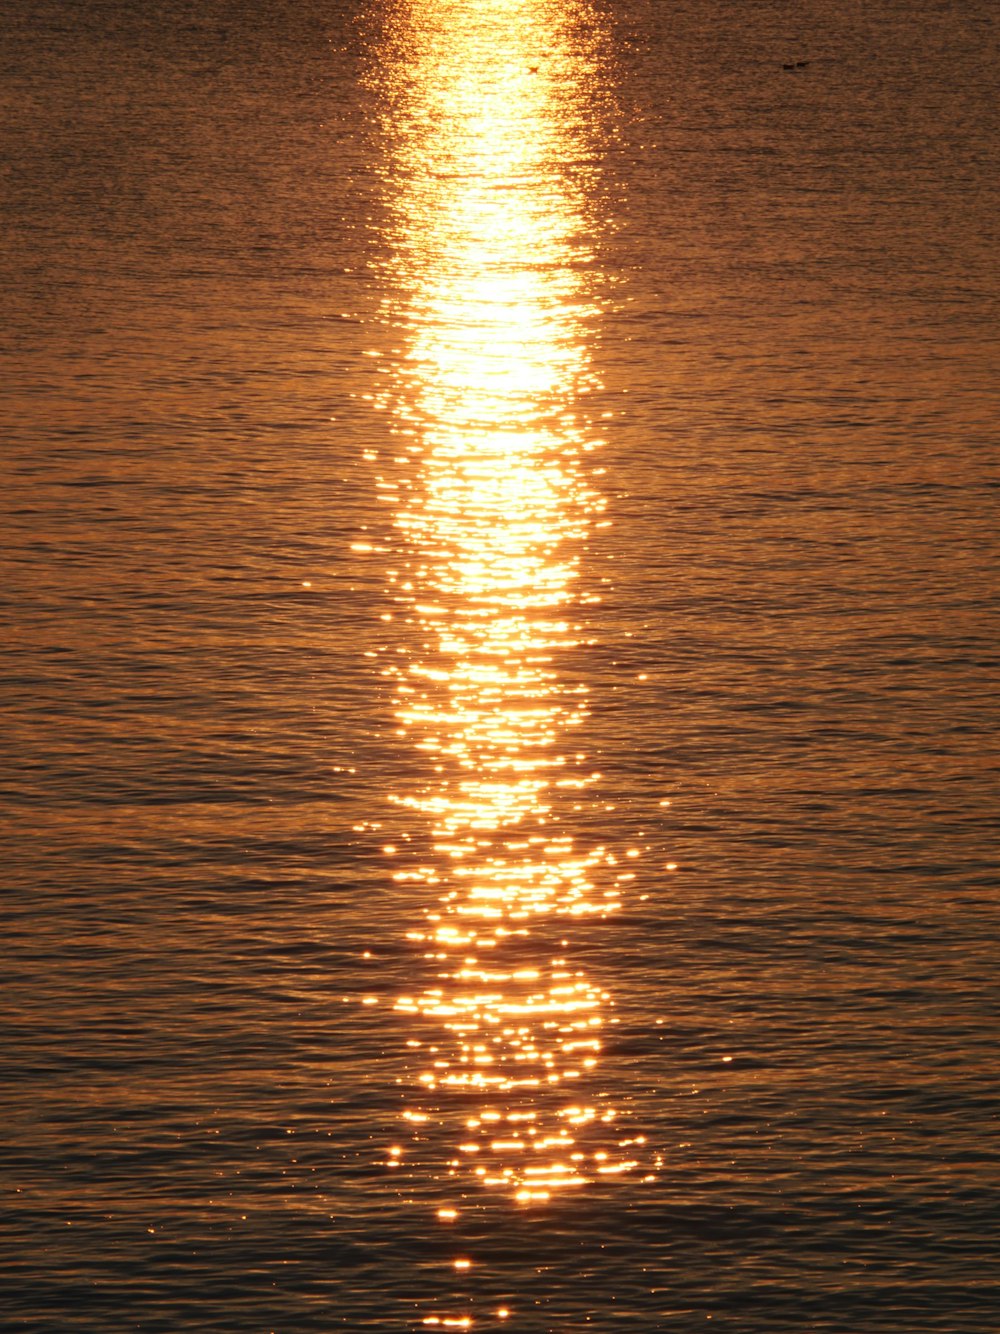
[491, 288]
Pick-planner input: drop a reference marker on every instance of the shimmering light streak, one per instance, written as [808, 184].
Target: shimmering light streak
[491, 283]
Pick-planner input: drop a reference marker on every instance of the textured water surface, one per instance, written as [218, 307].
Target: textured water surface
[500, 583]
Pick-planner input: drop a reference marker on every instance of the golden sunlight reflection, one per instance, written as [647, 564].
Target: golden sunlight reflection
[488, 473]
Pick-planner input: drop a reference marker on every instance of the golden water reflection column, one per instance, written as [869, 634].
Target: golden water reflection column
[488, 103]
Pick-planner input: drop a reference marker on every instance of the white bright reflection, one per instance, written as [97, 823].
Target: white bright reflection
[488, 102]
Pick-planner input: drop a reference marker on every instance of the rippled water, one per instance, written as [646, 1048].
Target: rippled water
[500, 573]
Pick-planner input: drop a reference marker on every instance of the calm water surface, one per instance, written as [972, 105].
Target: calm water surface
[500, 575]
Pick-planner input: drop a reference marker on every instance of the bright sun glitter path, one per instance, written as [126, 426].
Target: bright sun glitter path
[492, 495]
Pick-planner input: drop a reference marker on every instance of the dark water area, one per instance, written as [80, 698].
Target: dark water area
[548, 453]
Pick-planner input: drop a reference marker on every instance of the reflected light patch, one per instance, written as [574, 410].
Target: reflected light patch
[491, 285]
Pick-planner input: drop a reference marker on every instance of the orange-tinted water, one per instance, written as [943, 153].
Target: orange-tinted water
[500, 540]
